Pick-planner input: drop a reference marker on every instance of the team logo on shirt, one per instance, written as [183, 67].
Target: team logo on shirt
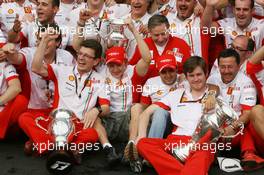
[71, 78]
[171, 52]
[105, 16]
[248, 34]
[89, 83]
[234, 33]
[173, 25]
[120, 83]
[108, 81]
[159, 92]
[172, 89]
[10, 11]
[230, 90]
[27, 9]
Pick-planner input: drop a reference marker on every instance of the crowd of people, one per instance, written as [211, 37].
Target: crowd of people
[150, 91]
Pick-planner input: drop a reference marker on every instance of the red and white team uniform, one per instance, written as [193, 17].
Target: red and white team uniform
[2, 39]
[158, 151]
[132, 43]
[154, 90]
[8, 13]
[240, 94]
[256, 73]
[255, 30]
[190, 31]
[175, 45]
[121, 92]
[73, 92]
[8, 72]
[28, 35]
[42, 90]
[8, 111]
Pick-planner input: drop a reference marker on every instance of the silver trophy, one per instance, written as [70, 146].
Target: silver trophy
[61, 159]
[91, 31]
[209, 129]
[116, 36]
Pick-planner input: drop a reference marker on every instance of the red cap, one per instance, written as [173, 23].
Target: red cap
[115, 55]
[164, 61]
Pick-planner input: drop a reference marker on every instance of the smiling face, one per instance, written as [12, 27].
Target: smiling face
[168, 76]
[139, 7]
[185, 8]
[45, 11]
[196, 79]
[86, 60]
[243, 13]
[228, 68]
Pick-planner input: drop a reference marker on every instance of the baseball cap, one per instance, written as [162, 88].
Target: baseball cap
[166, 61]
[115, 55]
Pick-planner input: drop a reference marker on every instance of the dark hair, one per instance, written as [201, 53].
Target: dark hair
[193, 62]
[93, 44]
[55, 26]
[55, 3]
[157, 20]
[252, 3]
[229, 53]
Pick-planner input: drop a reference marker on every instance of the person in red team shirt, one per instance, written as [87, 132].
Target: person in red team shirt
[9, 99]
[161, 42]
[256, 71]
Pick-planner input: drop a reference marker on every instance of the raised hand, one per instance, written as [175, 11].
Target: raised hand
[85, 14]
[17, 24]
[130, 24]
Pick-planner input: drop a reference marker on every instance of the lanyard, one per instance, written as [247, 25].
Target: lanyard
[85, 82]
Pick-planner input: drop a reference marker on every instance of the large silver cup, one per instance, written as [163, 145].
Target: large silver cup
[91, 31]
[116, 36]
[61, 159]
[209, 129]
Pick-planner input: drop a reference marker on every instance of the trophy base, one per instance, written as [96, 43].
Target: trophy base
[60, 162]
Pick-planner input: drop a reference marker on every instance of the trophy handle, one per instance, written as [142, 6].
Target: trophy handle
[241, 129]
[37, 123]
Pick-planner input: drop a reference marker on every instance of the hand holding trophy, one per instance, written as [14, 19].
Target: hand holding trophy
[209, 129]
